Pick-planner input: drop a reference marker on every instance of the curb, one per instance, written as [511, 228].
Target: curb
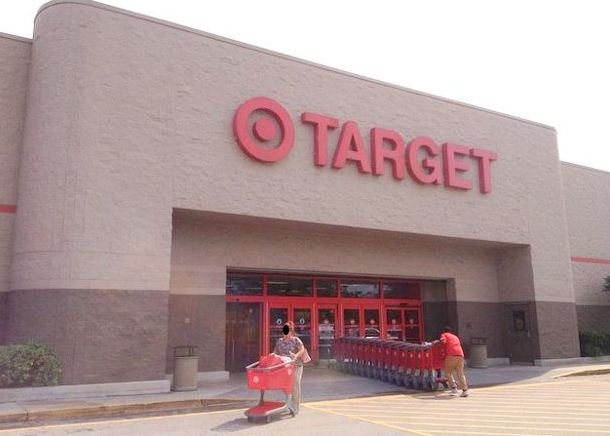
[585, 372]
[102, 411]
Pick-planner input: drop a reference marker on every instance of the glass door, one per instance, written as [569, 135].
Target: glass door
[372, 325]
[351, 322]
[277, 317]
[394, 324]
[327, 322]
[301, 317]
[412, 325]
[298, 313]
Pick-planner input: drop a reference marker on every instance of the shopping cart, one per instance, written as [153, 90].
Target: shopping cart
[270, 373]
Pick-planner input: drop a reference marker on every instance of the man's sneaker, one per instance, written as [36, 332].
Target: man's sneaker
[464, 393]
[453, 391]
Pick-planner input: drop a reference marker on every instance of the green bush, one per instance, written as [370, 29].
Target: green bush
[593, 344]
[29, 364]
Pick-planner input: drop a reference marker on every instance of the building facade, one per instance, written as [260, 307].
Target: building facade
[162, 186]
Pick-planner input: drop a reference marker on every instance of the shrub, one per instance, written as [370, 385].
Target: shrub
[593, 344]
[29, 364]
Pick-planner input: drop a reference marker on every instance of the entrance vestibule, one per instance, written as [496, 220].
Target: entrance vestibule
[322, 308]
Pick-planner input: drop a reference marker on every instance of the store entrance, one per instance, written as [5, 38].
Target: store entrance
[322, 309]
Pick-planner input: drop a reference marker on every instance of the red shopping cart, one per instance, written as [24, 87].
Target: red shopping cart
[270, 373]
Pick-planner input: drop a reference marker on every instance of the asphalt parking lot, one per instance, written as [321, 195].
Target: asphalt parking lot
[566, 406]
[560, 406]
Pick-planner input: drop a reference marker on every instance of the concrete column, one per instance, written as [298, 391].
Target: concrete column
[90, 273]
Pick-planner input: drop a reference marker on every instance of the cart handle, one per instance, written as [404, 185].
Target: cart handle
[271, 368]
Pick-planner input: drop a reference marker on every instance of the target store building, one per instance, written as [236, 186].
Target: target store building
[161, 186]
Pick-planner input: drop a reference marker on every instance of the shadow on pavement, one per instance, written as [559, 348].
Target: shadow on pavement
[242, 424]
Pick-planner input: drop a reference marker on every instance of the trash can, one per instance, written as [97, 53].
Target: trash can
[186, 364]
[478, 353]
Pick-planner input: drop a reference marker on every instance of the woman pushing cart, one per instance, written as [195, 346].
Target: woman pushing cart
[291, 346]
[281, 370]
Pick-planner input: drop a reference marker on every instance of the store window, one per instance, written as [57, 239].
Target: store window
[326, 288]
[359, 289]
[401, 290]
[240, 284]
[289, 286]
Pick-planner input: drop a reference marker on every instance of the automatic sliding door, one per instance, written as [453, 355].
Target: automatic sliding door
[277, 318]
[327, 322]
[302, 325]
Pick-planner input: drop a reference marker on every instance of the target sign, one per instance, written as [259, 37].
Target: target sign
[252, 140]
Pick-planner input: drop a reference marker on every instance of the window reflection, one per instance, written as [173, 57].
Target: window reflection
[326, 288]
[238, 284]
[289, 286]
[359, 289]
[401, 290]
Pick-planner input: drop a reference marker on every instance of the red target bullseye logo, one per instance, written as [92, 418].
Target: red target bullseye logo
[264, 129]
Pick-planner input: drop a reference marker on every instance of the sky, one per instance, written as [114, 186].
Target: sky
[546, 61]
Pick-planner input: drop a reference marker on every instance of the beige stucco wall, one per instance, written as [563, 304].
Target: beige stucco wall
[204, 247]
[14, 56]
[587, 199]
[136, 119]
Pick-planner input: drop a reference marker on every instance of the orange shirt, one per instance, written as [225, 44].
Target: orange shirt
[452, 344]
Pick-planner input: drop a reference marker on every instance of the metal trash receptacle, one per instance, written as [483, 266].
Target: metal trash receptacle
[478, 353]
[186, 364]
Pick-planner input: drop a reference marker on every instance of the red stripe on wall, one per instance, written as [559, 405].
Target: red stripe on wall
[8, 208]
[596, 260]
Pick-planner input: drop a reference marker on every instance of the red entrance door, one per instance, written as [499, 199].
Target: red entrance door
[362, 320]
[281, 311]
[404, 324]
[327, 321]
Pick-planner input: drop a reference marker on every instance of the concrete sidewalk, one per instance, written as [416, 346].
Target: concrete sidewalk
[318, 384]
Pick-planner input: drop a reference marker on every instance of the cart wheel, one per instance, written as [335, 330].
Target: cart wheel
[268, 419]
[250, 419]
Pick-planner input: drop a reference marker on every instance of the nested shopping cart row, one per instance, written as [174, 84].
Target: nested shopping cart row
[402, 363]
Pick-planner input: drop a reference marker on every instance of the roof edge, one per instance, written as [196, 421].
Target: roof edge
[584, 167]
[15, 38]
[180, 27]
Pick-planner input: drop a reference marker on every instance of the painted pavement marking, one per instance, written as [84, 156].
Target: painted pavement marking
[567, 407]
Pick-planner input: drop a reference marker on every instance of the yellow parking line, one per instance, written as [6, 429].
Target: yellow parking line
[512, 427]
[452, 419]
[470, 406]
[440, 400]
[370, 421]
[489, 434]
[460, 413]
